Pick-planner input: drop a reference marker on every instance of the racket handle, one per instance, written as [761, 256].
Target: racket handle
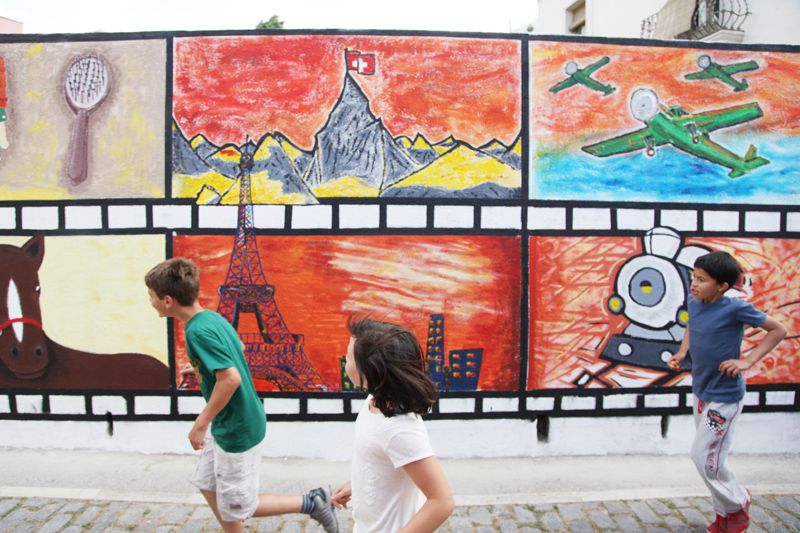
[77, 166]
[3, 136]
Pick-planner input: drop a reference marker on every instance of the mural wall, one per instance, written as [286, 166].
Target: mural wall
[530, 208]
[656, 124]
[392, 117]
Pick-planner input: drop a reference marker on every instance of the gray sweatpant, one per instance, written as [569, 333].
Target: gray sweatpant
[714, 424]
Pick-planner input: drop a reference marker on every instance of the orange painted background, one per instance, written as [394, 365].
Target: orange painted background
[230, 87]
[572, 277]
[570, 115]
[473, 280]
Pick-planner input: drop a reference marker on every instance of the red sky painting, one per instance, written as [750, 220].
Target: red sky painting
[473, 280]
[572, 277]
[230, 87]
[565, 116]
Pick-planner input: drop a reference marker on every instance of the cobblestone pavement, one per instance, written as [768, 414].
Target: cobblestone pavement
[772, 513]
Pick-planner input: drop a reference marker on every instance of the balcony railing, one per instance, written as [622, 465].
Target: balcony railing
[711, 16]
[708, 17]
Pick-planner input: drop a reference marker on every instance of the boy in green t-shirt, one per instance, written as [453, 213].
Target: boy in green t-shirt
[227, 472]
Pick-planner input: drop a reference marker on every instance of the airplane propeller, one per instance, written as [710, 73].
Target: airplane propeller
[644, 104]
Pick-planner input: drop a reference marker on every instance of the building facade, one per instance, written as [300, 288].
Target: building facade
[736, 21]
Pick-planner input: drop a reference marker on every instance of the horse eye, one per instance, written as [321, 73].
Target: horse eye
[38, 289]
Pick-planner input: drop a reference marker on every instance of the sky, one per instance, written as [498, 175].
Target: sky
[82, 16]
[468, 88]
[773, 85]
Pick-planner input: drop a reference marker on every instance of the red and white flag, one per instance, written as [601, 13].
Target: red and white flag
[360, 62]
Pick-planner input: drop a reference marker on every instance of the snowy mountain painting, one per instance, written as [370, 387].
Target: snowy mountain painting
[346, 117]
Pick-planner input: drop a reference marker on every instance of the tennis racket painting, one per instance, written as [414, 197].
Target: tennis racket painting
[86, 85]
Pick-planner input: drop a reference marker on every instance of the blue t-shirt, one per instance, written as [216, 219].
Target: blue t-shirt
[715, 335]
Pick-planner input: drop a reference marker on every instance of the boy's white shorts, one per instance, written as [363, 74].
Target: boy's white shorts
[233, 476]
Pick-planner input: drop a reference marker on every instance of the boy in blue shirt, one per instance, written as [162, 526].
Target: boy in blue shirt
[714, 338]
[227, 471]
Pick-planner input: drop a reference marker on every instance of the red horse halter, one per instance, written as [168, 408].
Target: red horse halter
[11, 322]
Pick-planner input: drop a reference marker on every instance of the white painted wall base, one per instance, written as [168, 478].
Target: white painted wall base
[755, 433]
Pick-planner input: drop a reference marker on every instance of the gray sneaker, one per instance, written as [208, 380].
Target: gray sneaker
[323, 510]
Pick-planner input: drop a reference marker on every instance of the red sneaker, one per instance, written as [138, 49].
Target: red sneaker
[718, 525]
[740, 520]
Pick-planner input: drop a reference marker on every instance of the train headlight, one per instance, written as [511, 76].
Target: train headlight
[616, 304]
[683, 316]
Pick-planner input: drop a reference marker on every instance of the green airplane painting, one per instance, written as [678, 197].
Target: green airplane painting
[583, 76]
[688, 132]
[723, 73]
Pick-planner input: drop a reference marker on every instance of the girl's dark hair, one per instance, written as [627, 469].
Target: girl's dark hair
[390, 359]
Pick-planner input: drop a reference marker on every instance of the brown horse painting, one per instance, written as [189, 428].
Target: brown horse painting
[29, 359]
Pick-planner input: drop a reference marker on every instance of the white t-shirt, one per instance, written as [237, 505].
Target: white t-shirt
[384, 497]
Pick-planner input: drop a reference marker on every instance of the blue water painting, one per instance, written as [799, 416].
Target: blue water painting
[670, 176]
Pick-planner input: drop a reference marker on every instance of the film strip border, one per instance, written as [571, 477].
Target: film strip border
[537, 217]
[344, 407]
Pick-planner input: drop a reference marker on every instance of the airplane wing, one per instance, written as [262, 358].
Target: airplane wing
[629, 142]
[719, 154]
[596, 65]
[591, 83]
[740, 67]
[700, 75]
[560, 86]
[722, 118]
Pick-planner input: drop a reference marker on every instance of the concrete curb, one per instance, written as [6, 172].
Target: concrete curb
[464, 500]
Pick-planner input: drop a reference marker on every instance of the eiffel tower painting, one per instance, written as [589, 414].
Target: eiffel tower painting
[274, 353]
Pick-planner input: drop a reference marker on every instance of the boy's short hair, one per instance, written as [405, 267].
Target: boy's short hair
[177, 277]
[390, 359]
[721, 266]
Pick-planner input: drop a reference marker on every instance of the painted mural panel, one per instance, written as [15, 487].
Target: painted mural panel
[346, 116]
[75, 314]
[82, 120]
[458, 294]
[607, 312]
[648, 123]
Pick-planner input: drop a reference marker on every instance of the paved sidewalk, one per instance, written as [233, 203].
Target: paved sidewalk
[75, 491]
[771, 513]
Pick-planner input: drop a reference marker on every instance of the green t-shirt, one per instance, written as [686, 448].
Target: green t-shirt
[212, 344]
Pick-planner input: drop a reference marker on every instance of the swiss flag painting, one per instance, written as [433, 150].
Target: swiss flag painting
[366, 64]
[360, 62]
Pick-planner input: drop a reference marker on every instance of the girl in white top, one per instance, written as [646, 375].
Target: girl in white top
[396, 481]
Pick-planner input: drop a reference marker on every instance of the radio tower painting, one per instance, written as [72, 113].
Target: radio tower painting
[274, 353]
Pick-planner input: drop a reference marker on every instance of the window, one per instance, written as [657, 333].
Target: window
[576, 17]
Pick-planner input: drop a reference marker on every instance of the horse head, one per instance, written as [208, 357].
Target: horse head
[22, 340]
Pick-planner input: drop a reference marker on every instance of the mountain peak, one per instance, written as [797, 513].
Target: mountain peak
[352, 95]
[462, 168]
[421, 143]
[493, 146]
[228, 152]
[198, 140]
[355, 143]
[264, 143]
